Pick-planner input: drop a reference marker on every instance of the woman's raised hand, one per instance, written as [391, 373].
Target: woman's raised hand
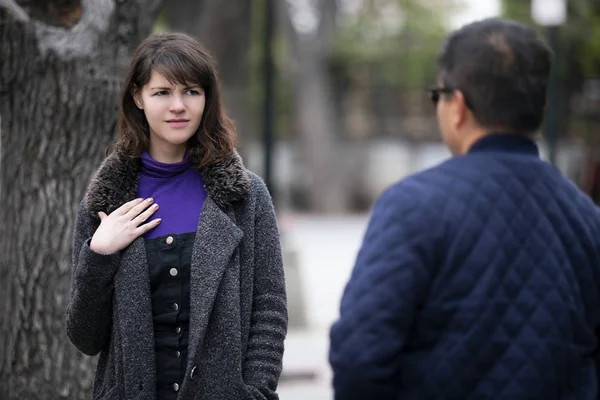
[123, 226]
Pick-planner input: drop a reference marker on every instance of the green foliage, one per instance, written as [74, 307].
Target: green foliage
[161, 24]
[579, 51]
[519, 10]
[399, 38]
[589, 46]
[577, 57]
[397, 41]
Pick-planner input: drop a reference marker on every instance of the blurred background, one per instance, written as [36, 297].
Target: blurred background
[329, 98]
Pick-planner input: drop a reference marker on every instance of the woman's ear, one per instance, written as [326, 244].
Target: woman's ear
[137, 98]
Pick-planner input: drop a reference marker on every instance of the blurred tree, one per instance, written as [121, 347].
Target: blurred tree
[223, 26]
[375, 50]
[401, 37]
[60, 76]
[577, 67]
[391, 46]
[578, 52]
[309, 27]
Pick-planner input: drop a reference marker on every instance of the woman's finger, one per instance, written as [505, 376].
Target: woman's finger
[137, 209]
[145, 215]
[146, 227]
[102, 215]
[125, 208]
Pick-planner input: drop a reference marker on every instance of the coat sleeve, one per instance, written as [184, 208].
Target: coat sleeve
[88, 317]
[389, 280]
[263, 362]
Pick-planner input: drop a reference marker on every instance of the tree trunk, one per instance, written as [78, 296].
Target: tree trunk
[315, 108]
[60, 75]
[223, 26]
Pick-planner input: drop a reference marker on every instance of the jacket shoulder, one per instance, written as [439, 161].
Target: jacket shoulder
[422, 188]
[258, 187]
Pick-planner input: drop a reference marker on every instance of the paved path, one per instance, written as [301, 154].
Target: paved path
[325, 249]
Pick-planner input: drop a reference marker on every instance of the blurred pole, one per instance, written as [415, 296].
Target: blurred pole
[551, 123]
[268, 71]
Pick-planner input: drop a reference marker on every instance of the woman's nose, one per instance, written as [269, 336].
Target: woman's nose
[177, 104]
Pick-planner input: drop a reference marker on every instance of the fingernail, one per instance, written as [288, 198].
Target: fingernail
[139, 200]
[154, 205]
[149, 199]
[158, 221]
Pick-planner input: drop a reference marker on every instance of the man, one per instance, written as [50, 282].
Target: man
[479, 278]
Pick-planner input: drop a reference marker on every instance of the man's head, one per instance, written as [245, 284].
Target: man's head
[493, 76]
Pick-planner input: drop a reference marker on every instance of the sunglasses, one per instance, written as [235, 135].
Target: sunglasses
[436, 92]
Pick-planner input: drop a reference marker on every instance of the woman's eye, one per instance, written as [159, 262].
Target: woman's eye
[194, 92]
[161, 93]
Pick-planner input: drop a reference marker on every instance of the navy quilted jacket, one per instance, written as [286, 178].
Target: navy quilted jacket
[477, 279]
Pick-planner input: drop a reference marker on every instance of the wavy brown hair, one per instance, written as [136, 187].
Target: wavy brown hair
[181, 60]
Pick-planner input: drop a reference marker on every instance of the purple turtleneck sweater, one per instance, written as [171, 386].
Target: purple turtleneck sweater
[178, 189]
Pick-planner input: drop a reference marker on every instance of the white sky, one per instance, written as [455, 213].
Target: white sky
[305, 20]
[476, 9]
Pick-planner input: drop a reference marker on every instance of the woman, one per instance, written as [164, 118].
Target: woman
[177, 271]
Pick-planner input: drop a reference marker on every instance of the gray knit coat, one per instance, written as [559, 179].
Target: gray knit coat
[238, 316]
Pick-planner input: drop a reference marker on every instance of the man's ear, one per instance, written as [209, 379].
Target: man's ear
[460, 108]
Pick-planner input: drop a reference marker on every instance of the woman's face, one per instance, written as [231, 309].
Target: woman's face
[173, 112]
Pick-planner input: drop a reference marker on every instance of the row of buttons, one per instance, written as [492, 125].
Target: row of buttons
[192, 375]
[174, 272]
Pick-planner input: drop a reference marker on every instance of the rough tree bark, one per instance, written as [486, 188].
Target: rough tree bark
[315, 110]
[61, 65]
[223, 26]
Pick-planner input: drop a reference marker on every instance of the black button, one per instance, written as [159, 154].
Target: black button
[178, 329]
[176, 387]
[175, 306]
[177, 353]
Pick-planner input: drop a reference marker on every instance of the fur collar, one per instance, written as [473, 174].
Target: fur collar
[116, 181]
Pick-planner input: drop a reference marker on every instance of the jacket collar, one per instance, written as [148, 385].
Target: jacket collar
[116, 182]
[506, 143]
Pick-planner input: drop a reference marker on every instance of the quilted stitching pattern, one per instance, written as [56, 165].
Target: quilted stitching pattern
[477, 279]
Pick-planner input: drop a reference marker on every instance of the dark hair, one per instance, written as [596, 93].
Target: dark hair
[181, 60]
[502, 68]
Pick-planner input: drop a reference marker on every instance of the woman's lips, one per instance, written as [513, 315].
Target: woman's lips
[178, 123]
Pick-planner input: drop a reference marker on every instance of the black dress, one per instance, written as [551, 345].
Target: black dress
[169, 259]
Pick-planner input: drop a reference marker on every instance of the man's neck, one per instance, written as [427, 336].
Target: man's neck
[475, 134]
[470, 138]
